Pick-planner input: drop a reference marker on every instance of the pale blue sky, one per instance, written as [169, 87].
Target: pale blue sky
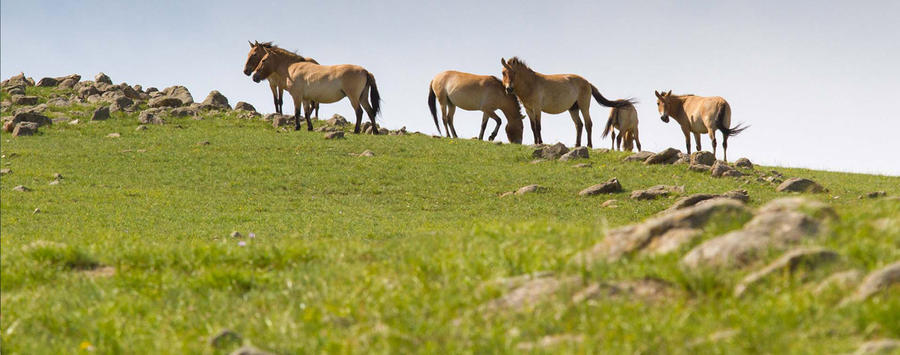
[818, 81]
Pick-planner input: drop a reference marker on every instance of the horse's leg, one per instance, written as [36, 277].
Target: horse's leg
[724, 147]
[280, 100]
[533, 123]
[275, 97]
[444, 110]
[588, 123]
[712, 136]
[578, 126]
[687, 139]
[618, 141]
[496, 128]
[316, 106]
[537, 119]
[484, 119]
[358, 110]
[307, 108]
[451, 110]
[636, 139]
[697, 138]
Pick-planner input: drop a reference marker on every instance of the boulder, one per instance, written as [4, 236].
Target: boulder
[216, 100]
[552, 152]
[179, 92]
[878, 347]
[164, 101]
[240, 105]
[47, 82]
[334, 135]
[337, 120]
[743, 163]
[640, 156]
[577, 153]
[721, 168]
[699, 168]
[530, 189]
[184, 112]
[24, 100]
[841, 280]
[25, 129]
[667, 156]
[611, 186]
[67, 84]
[531, 292]
[655, 192]
[102, 78]
[647, 289]
[366, 153]
[877, 281]
[739, 195]
[806, 258]
[121, 103]
[800, 185]
[703, 158]
[16, 90]
[151, 116]
[88, 91]
[279, 120]
[100, 114]
[28, 116]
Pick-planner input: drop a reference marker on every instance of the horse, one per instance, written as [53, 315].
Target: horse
[553, 94]
[698, 114]
[307, 81]
[472, 92]
[625, 120]
[253, 58]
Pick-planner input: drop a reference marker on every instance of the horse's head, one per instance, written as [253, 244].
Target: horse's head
[662, 103]
[257, 51]
[514, 72]
[514, 130]
[508, 75]
[265, 67]
[513, 112]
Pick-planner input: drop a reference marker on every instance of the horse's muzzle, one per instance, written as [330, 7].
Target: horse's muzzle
[509, 90]
[664, 118]
[256, 78]
[247, 72]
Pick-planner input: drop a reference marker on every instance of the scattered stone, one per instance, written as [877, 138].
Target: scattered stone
[552, 152]
[671, 241]
[74, 122]
[250, 350]
[743, 163]
[739, 195]
[279, 120]
[877, 281]
[721, 168]
[367, 153]
[47, 82]
[151, 116]
[100, 114]
[25, 129]
[610, 203]
[640, 156]
[601, 150]
[683, 159]
[582, 165]
[184, 111]
[814, 208]
[880, 346]
[874, 194]
[714, 337]
[667, 156]
[21, 188]
[577, 153]
[240, 105]
[326, 128]
[530, 189]
[841, 280]
[5, 171]
[337, 120]
[54, 182]
[121, 103]
[655, 192]
[790, 262]
[647, 289]
[550, 341]
[334, 135]
[217, 100]
[67, 84]
[224, 337]
[24, 100]
[235, 234]
[164, 101]
[202, 143]
[637, 237]
[531, 292]
[800, 185]
[703, 158]
[608, 187]
[102, 78]
[699, 168]
[28, 116]
[113, 135]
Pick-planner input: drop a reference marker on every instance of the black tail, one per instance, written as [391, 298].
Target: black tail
[603, 101]
[728, 132]
[374, 96]
[612, 121]
[433, 107]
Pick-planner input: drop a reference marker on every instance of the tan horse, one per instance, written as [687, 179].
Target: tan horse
[307, 81]
[276, 83]
[699, 114]
[626, 121]
[553, 94]
[472, 92]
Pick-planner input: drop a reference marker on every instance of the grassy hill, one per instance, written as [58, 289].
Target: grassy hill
[399, 252]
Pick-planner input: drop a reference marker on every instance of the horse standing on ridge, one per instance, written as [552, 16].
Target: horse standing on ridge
[698, 114]
[625, 120]
[276, 83]
[553, 94]
[472, 92]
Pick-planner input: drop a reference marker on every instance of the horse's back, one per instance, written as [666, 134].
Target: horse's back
[465, 90]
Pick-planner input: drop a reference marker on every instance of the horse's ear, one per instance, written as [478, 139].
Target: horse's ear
[503, 61]
[669, 93]
[250, 43]
[657, 94]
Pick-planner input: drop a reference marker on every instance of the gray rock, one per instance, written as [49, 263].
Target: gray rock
[367, 153]
[29, 116]
[102, 78]
[700, 168]
[640, 156]
[25, 129]
[655, 192]
[151, 116]
[879, 346]
[877, 281]
[800, 185]
[703, 158]
[216, 100]
[121, 103]
[667, 156]
[743, 163]
[806, 258]
[47, 82]
[875, 194]
[67, 84]
[140, 128]
[334, 135]
[582, 165]
[577, 153]
[225, 337]
[841, 280]
[21, 188]
[647, 289]
[337, 120]
[88, 91]
[611, 186]
[279, 120]
[240, 105]
[552, 152]
[24, 100]
[184, 112]
[721, 169]
[530, 189]
[113, 135]
[740, 195]
[179, 92]
[100, 114]
[164, 101]
[250, 350]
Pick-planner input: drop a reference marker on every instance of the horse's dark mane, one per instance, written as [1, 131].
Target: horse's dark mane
[272, 47]
[516, 62]
[514, 98]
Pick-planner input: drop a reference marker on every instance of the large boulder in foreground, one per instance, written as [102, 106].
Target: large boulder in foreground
[703, 158]
[667, 156]
[217, 100]
[877, 281]
[179, 92]
[608, 187]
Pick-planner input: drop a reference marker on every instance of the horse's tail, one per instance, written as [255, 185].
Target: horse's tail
[611, 122]
[432, 106]
[603, 101]
[720, 119]
[374, 96]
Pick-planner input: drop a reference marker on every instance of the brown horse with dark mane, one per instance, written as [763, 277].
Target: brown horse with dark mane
[553, 94]
[699, 114]
[276, 83]
[472, 92]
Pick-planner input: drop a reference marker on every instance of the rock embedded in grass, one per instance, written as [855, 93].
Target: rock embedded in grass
[608, 187]
[337, 120]
[743, 163]
[151, 116]
[800, 185]
[250, 350]
[577, 153]
[225, 337]
[552, 152]
[582, 165]
[113, 135]
[164, 101]
[877, 281]
[640, 156]
[24, 100]
[703, 158]
[25, 129]
[243, 106]
[722, 169]
[790, 262]
[530, 189]
[335, 135]
[100, 114]
[739, 195]
[874, 194]
[366, 153]
[21, 188]
[878, 346]
[700, 168]
[839, 280]
[655, 192]
[667, 156]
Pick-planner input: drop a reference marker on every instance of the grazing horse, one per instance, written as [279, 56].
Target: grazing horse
[472, 92]
[307, 81]
[698, 114]
[553, 94]
[276, 83]
[625, 120]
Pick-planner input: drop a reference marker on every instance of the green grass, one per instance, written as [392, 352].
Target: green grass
[382, 254]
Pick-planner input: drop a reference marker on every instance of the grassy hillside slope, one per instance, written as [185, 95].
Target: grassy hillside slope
[389, 254]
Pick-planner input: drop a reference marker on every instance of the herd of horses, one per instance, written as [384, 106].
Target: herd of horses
[310, 84]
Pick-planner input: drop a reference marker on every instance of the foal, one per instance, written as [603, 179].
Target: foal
[625, 120]
[698, 114]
